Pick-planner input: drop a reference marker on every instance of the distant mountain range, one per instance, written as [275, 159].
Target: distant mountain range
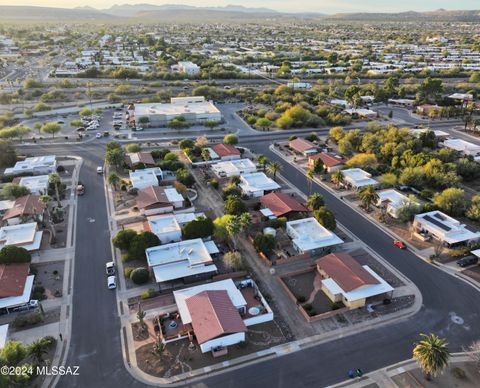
[187, 13]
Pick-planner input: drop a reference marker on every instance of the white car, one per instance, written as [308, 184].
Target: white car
[98, 135]
[99, 170]
[111, 282]
[110, 268]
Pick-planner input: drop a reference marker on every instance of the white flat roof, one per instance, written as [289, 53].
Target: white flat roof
[173, 195]
[197, 107]
[19, 234]
[179, 270]
[163, 224]
[257, 181]
[228, 285]
[5, 205]
[234, 167]
[445, 227]
[33, 163]
[145, 177]
[358, 177]
[462, 146]
[13, 301]
[34, 183]
[308, 234]
[395, 198]
[361, 292]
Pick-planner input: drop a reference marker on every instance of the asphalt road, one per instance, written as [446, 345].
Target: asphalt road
[95, 345]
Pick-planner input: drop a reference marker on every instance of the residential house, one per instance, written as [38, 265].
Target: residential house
[345, 280]
[280, 205]
[146, 177]
[26, 208]
[362, 112]
[464, 147]
[34, 165]
[158, 200]
[392, 201]
[308, 236]
[443, 228]
[224, 152]
[188, 261]
[22, 235]
[303, 146]
[168, 228]
[219, 313]
[15, 285]
[330, 161]
[257, 184]
[133, 159]
[234, 167]
[357, 178]
[37, 185]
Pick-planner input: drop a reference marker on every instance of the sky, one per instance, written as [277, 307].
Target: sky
[326, 6]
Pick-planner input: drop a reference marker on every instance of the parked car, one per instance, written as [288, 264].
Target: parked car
[110, 268]
[80, 129]
[80, 189]
[111, 282]
[33, 304]
[399, 244]
[466, 261]
[106, 133]
[98, 135]
[99, 170]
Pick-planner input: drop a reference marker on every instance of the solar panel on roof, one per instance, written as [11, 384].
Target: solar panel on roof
[437, 223]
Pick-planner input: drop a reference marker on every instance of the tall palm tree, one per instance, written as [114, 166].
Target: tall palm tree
[37, 350]
[54, 179]
[45, 199]
[273, 168]
[314, 201]
[141, 315]
[310, 177]
[432, 354]
[233, 227]
[262, 160]
[368, 196]
[337, 178]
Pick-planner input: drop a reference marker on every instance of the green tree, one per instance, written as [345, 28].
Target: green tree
[409, 209]
[234, 260]
[473, 211]
[318, 166]
[264, 243]
[337, 178]
[234, 205]
[141, 314]
[431, 88]
[220, 226]
[264, 123]
[115, 157]
[14, 191]
[201, 227]
[230, 139]
[123, 239]
[325, 217]
[337, 134]
[368, 196]
[262, 160]
[86, 112]
[38, 350]
[432, 354]
[51, 128]
[365, 160]
[352, 95]
[14, 254]
[274, 168]
[8, 156]
[451, 201]
[113, 179]
[184, 177]
[140, 243]
[186, 143]
[388, 179]
[315, 201]
[133, 147]
[55, 181]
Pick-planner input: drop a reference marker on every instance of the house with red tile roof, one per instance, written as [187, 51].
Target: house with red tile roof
[224, 152]
[24, 209]
[281, 204]
[330, 161]
[346, 281]
[303, 146]
[15, 285]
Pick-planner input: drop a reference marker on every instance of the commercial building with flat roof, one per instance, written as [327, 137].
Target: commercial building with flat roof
[192, 109]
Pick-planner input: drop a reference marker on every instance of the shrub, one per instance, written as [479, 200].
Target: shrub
[301, 299]
[127, 271]
[214, 183]
[335, 306]
[27, 320]
[264, 243]
[234, 205]
[312, 313]
[150, 293]
[39, 293]
[125, 257]
[459, 373]
[140, 275]
[307, 307]
[60, 168]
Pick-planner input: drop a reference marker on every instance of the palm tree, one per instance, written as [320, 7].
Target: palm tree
[113, 179]
[45, 199]
[432, 354]
[368, 196]
[273, 168]
[54, 179]
[337, 178]
[233, 227]
[37, 350]
[310, 176]
[314, 201]
[262, 160]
